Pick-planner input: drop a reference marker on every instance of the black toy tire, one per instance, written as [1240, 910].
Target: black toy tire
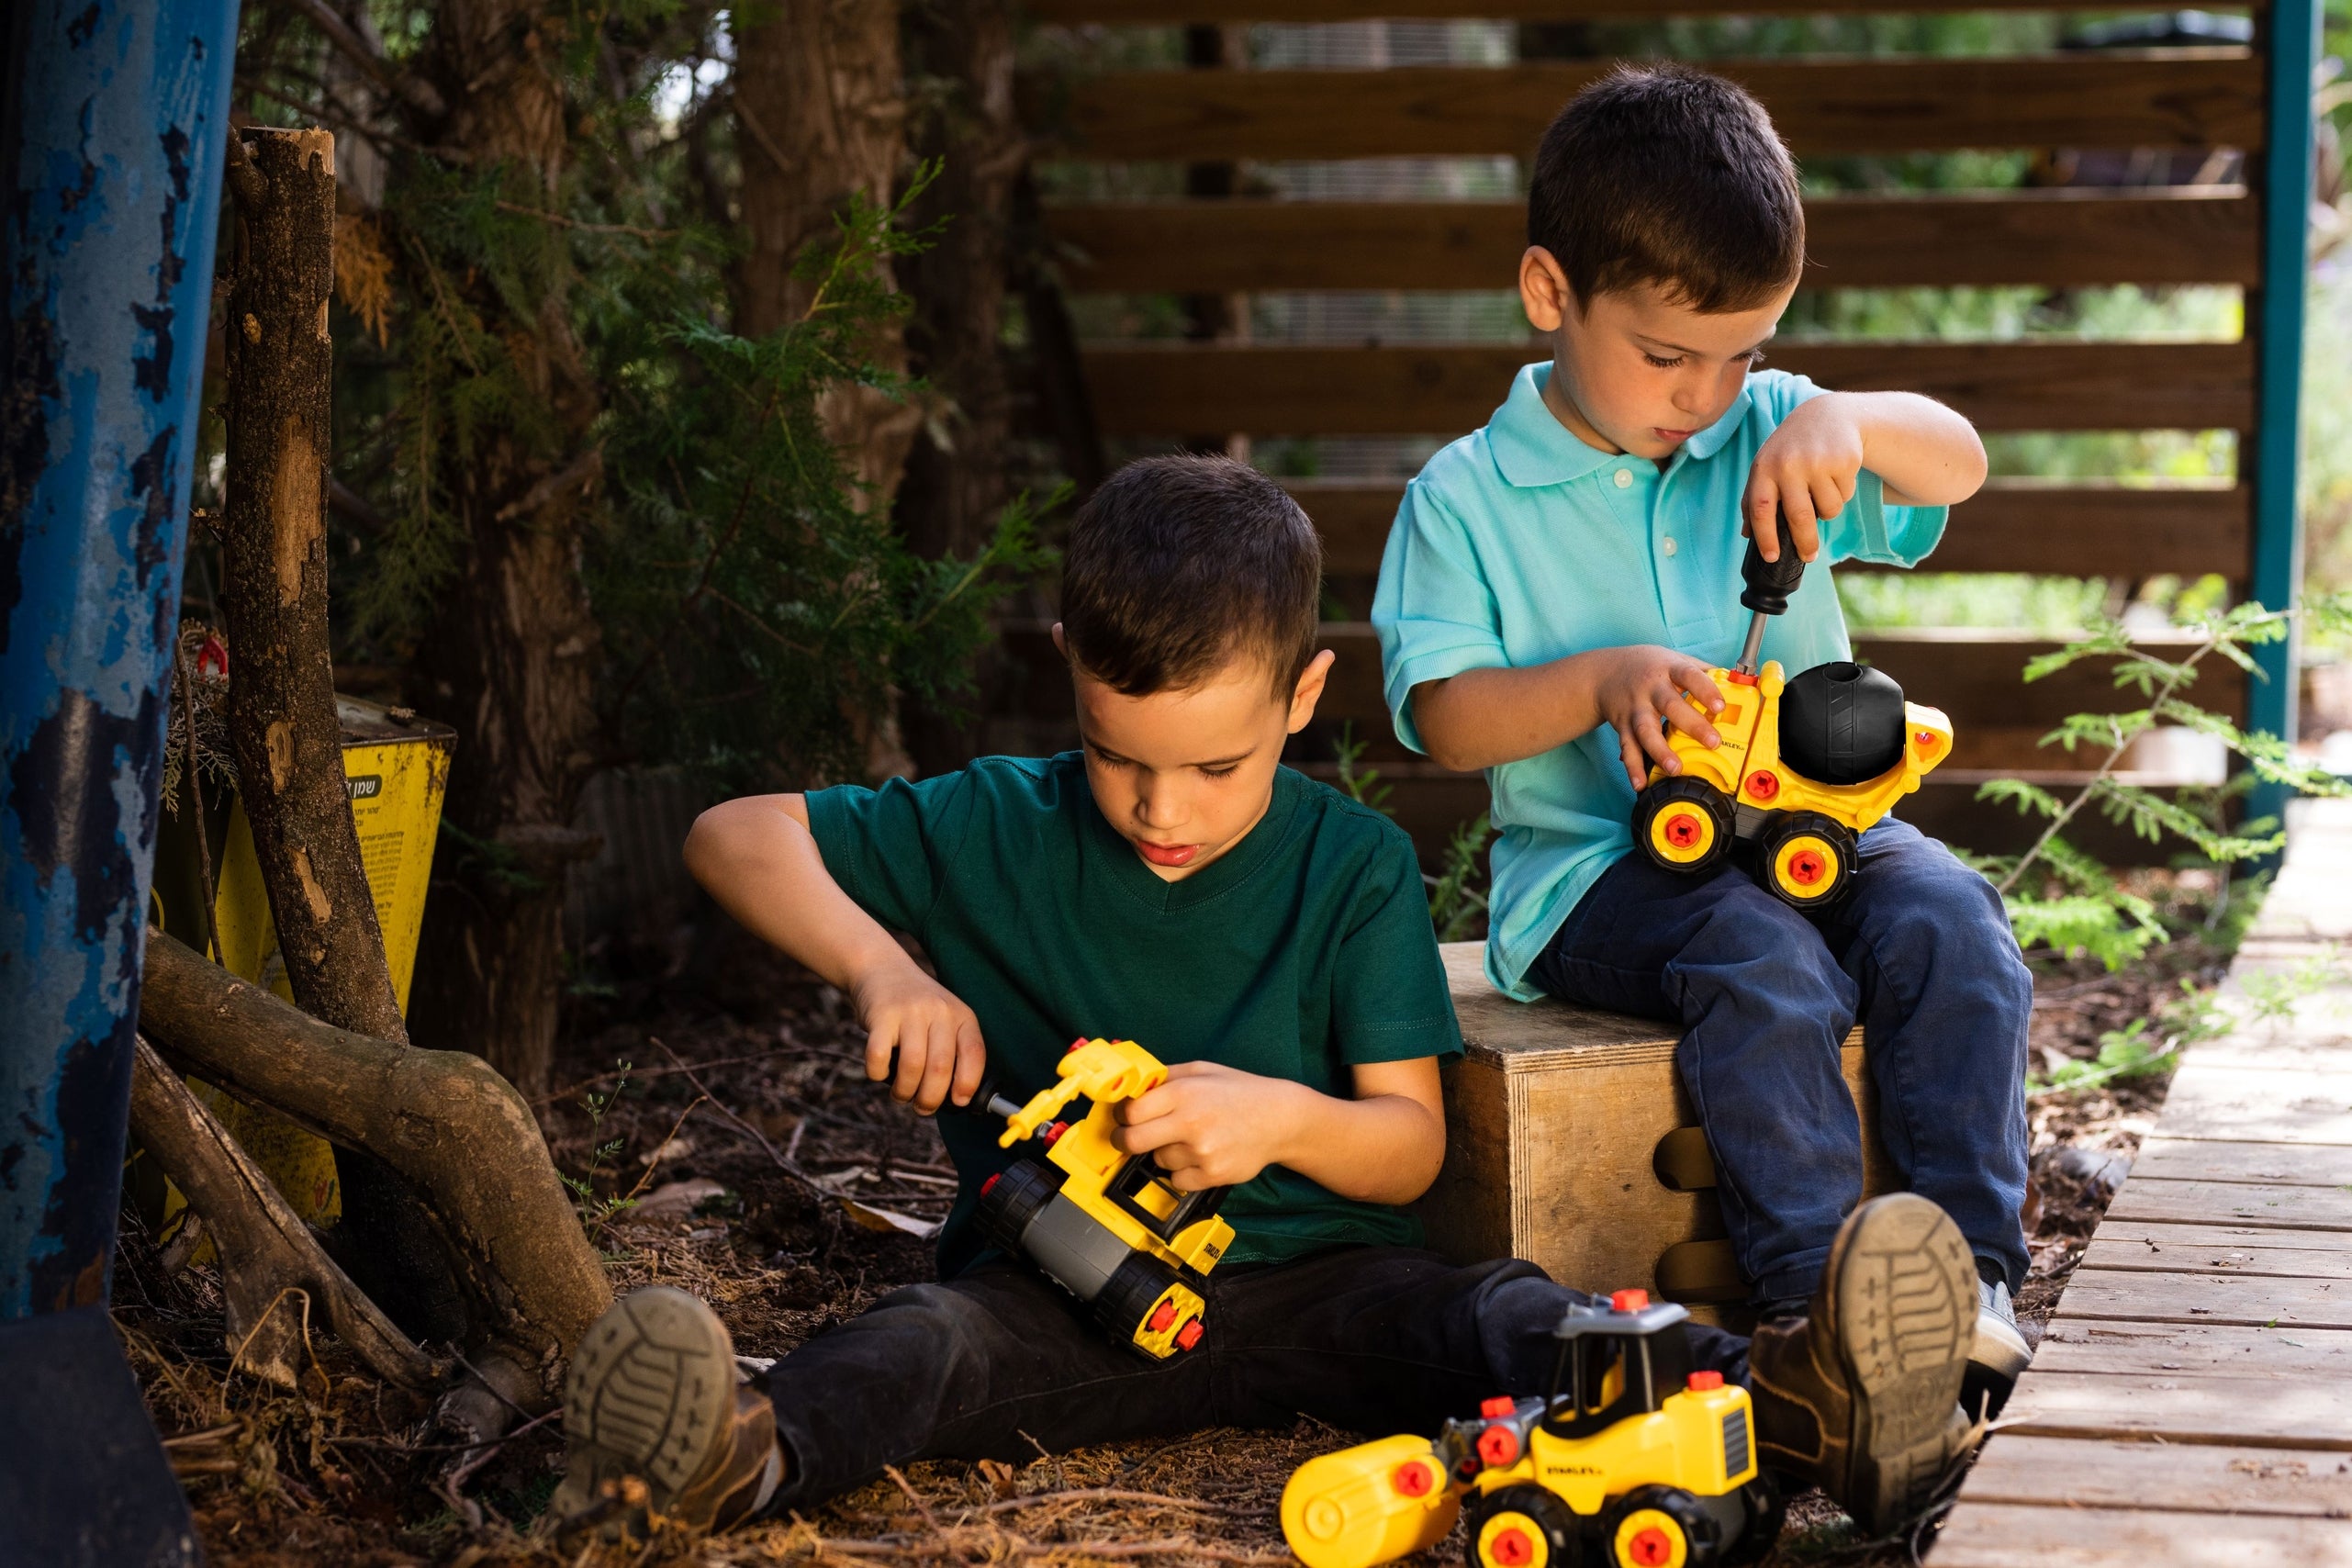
[1710, 803]
[1563, 1536]
[1011, 1201]
[1767, 1510]
[1806, 842]
[1701, 1537]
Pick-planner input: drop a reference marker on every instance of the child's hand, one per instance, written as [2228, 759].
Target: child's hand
[1210, 1125]
[936, 1037]
[1644, 689]
[1805, 471]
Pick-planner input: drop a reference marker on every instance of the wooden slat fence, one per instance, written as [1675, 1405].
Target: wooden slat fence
[2219, 101]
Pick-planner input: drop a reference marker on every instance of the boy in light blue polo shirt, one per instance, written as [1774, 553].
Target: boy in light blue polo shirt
[1556, 588]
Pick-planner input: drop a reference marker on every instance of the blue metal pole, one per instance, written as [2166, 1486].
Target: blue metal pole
[119, 112]
[2291, 31]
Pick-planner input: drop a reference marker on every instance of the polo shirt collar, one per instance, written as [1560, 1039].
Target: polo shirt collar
[1532, 447]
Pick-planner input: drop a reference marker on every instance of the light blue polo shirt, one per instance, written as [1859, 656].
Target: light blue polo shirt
[1519, 544]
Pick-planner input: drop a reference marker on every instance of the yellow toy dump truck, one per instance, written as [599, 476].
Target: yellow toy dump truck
[1107, 1227]
[1806, 765]
[1631, 1460]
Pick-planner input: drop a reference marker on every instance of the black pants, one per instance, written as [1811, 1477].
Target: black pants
[1377, 1339]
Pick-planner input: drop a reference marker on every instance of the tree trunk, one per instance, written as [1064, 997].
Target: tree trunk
[821, 112]
[455, 1132]
[272, 1270]
[511, 658]
[956, 479]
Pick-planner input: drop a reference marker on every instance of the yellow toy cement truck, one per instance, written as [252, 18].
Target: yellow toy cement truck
[1808, 763]
[1104, 1226]
[1631, 1460]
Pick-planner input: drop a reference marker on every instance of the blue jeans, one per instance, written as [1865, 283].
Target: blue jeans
[1919, 953]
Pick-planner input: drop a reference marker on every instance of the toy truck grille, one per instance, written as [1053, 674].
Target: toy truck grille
[1735, 1443]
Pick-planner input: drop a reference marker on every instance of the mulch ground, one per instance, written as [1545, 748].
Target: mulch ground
[689, 1082]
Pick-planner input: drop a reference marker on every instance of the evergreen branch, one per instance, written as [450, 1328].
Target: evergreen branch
[560, 221]
[406, 86]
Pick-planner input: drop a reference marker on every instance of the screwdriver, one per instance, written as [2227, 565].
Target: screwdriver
[1769, 585]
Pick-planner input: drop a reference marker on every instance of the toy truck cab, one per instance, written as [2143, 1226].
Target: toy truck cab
[1630, 1460]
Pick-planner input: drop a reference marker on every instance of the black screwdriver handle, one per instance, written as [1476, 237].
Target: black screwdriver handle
[1771, 582]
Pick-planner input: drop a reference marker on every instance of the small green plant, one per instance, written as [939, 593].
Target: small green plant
[1360, 783]
[2062, 897]
[2146, 1045]
[1457, 892]
[2271, 994]
[597, 1213]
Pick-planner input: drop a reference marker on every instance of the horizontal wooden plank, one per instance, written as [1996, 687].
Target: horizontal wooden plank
[1151, 389]
[2009, 1535]
[2285, 1301]
[2224, 1255]
[2231, 1203]
[2187, 97]
[2159, 1239]
[2260, 1409]
[2057, 237]
[2241, 1104]
[1170, 13]
[2171, 1477]
[2269, 1164]
[2128, 1349]
[2011, 525]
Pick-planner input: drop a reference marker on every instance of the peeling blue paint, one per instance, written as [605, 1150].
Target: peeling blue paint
[106, 254]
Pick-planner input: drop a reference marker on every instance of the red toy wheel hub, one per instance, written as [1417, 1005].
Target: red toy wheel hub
[1682, 830]
[1512, 1548]
[1762, 786]
[1805, 868]
[1649, 1549]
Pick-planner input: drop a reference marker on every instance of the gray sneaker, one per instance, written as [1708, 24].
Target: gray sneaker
[1999, 1354]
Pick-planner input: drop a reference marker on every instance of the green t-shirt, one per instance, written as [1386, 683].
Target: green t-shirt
[1304, 950]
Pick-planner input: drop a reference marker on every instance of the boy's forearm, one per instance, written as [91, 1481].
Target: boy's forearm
[1482, 718]
[1926, 454]
[1383, 1149]
[757, 859]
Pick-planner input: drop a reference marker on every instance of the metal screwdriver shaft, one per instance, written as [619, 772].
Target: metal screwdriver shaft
[1769, 585]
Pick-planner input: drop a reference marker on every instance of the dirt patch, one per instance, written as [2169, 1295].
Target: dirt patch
[687, 1082]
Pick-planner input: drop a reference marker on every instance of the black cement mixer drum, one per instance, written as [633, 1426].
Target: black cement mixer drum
[1841, 723]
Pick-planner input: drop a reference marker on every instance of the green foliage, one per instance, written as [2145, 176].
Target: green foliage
[1457, 892]
[597, 1213]
[2146, 1045]
[752, 598]
[2064, 899]
[1358, 782]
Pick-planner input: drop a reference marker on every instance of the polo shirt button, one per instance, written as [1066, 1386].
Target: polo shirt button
[1624, 478]
[1668, 544]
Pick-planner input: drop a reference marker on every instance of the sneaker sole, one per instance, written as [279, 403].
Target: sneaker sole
[1906, 1315]
[652, 1386]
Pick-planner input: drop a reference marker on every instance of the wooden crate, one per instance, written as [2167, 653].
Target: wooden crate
[1570, 1143]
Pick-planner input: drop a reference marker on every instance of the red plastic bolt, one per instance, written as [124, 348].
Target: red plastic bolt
[1189, 1336]
[1512, 1549]
[1500, 1406]
[1165, 1313]
[991, 1181]
[1075, 1044]
[1763, 784]
[1413, 1480]
[1805, 868]
[1926, 739]
[1702, 1382]
[1682, 830]
[1498, 1446]
[1053, 1134]
[1629, 1301]
[1649, 1549]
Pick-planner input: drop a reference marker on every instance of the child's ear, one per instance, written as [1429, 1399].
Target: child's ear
[1060, 646]
[1544, 290]
[1309, 690]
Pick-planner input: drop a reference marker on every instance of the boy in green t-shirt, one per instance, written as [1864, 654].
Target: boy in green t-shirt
[1174, 884]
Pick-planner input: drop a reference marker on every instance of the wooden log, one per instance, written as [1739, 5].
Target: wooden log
[274, 1273]
[2078, 530]
[2174, 97]
[453, 1129]
[1446, 389]
[2055, 237]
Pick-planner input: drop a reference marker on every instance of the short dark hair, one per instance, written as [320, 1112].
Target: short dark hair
[1662, 175]
[1177, 566]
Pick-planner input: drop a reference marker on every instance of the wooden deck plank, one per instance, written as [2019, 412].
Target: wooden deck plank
[2190, 1349]
[2010, 1535]
[2234, 1202]
[2242, 1104]
[2162, 1235]
[2262, 1409]
[2179, 1478]
[2279, 1299]
[2288, 1165]
[2222, 1255]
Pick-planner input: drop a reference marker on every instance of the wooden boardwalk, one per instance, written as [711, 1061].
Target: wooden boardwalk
[2191, 1402]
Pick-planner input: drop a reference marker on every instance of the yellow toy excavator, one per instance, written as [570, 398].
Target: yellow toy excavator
[1807, 765]
[1632, 1460]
